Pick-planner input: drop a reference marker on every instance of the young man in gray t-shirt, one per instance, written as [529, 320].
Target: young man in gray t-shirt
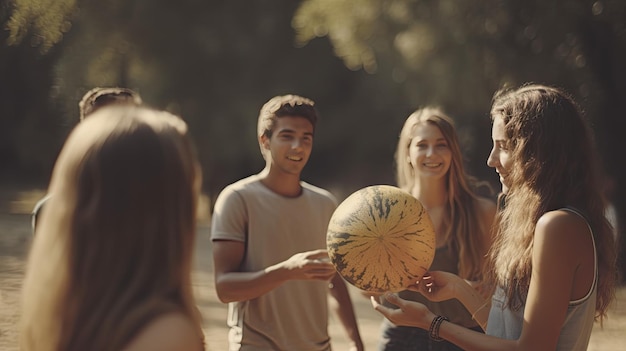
[269, 243]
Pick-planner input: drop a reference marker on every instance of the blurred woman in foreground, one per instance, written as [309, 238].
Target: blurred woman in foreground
[110, 267]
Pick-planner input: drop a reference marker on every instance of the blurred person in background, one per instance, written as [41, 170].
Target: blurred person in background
[91, 102]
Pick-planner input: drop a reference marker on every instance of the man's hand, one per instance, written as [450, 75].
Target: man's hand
[310, 265]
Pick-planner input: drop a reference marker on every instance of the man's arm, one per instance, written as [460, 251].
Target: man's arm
[232, 284]
[342, 306]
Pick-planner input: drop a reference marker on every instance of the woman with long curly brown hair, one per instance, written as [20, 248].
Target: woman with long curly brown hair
[110, 267]
[553, 259]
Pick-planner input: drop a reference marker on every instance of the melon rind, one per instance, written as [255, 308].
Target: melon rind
[381, 239]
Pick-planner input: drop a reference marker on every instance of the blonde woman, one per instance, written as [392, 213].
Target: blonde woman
[110, 266]
[430, 166]
[553, 258]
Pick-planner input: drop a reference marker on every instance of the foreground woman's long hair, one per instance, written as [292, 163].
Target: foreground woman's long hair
[115, 245]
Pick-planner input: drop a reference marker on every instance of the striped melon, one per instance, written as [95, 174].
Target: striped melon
[381, 239]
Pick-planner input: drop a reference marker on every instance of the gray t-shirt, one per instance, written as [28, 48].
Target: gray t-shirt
[293, 316]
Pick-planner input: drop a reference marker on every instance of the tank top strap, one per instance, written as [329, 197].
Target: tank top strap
[595, 255]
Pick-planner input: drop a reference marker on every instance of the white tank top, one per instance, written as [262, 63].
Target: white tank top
[576, 330]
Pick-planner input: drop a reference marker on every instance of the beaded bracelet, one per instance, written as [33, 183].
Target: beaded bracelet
[433, 332]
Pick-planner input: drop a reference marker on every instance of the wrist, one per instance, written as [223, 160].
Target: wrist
[435, 325]
[427, 320]
[279, 272]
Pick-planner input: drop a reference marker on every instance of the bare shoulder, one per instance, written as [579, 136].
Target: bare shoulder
[487, 206]
[169, 332]
[486, 215]
[562, 229]
[563, 254]
[487, 209]
[562, 222]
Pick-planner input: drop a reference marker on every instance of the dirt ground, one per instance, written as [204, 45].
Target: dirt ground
[15, 239]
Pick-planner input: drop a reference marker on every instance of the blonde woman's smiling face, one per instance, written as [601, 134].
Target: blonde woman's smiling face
[429, 152]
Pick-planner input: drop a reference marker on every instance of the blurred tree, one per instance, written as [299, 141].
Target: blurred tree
[30, 131]
[457, 53]
[214, 63]
[44, 22]
[443, 50]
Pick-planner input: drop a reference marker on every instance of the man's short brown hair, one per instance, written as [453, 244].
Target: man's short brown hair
[98, 97]
[285, 105]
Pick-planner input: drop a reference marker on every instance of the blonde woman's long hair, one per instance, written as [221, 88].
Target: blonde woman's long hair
[115, 246]
[554, 166]
[461, 224]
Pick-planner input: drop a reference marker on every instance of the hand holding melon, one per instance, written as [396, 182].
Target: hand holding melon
[310, 265]
[381, 239]
[440, 286]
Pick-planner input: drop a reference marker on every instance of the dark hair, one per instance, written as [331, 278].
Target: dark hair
[98, 97]
[285, 105]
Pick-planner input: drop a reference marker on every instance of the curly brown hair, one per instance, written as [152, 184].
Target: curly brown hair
[554, 166]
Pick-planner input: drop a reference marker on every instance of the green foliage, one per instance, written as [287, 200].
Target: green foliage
[216, 62]
[349, 34]
[45, 21]
[457, 53]
[443, 50]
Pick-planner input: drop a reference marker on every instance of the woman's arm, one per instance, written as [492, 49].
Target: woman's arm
[562, 271]
[233, 284]
[487, 216]
[440, 286]
[341, 304]
[416, 314]
[563, 264]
